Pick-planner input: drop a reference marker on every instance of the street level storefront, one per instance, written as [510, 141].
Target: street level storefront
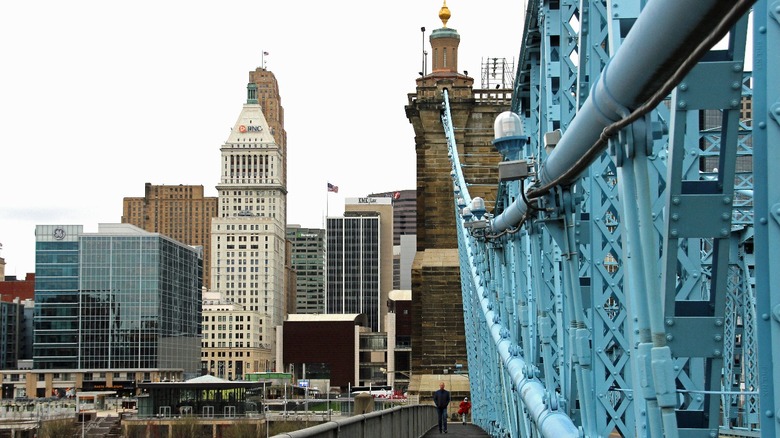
[29, 383]
[123, 388]
[205, 396]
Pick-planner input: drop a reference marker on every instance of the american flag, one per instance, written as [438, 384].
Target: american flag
[332, 188]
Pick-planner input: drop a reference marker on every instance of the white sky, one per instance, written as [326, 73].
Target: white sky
[99, 97]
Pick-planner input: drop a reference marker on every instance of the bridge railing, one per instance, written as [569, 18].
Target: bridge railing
[399, 422]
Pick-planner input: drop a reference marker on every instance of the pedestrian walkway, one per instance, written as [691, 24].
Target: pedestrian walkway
[457, 429]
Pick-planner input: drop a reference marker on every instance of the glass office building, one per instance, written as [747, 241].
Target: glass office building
[353, 280]
[121, 298]
[308, 262]
[56, 314]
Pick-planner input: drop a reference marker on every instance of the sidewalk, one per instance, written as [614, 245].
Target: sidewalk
[457, 429]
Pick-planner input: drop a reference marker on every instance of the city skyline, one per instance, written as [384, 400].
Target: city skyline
[96, 105]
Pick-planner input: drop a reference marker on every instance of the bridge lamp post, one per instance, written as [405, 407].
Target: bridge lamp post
[509, 142]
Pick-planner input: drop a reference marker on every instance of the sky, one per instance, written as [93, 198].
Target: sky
[98, 98]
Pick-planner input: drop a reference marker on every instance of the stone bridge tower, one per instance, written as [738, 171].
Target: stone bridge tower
[438, 336]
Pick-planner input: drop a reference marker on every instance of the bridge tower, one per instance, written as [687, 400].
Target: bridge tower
[438, 336]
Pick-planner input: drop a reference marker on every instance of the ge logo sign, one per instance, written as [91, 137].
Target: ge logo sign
[59, 233]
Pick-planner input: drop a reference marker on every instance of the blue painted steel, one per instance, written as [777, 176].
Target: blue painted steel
[666, 27]
[621, 301]
[488, 313]
[766, 138]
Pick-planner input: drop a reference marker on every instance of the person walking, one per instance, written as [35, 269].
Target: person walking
[464, 408]
[441, 399]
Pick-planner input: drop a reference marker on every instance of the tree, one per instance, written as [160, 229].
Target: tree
[58, 428]
[242, 430]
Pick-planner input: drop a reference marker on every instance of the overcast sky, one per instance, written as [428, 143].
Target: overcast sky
[98, 98]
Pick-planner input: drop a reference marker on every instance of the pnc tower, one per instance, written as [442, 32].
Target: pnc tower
[248, 234]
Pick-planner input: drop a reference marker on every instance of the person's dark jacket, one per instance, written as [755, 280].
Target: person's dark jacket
[441, 398]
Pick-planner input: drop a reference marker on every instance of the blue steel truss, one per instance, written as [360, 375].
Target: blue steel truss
[623, 285]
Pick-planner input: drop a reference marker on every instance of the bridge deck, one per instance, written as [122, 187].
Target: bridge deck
[456, 429]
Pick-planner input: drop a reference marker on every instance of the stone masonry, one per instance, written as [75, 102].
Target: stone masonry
[438, 335]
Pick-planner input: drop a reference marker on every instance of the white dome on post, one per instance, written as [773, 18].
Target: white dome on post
[508, 135]
[507, 124]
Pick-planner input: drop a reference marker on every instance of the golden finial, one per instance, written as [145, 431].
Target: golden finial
[444, 13]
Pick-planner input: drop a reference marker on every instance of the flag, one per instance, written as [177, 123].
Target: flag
[332, 188]
[265, 53]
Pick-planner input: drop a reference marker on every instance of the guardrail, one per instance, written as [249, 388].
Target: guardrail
[398, 422]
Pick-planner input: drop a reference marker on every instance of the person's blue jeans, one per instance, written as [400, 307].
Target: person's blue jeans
[442, 419]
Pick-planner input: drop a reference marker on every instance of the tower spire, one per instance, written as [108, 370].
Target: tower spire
[444, 14]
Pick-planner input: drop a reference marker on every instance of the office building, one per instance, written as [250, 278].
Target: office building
[231, 345]
[404, 234]
[324, 347]
[12, 288]
[178, 211]
[360, 259]
[13, 336]
[308, 262]
[248, 235]
[404, 212]
[121, 298]
[398, 370]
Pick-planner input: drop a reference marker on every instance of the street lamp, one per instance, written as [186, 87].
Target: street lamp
[265, 410]
[406, 373]
[424, 53]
